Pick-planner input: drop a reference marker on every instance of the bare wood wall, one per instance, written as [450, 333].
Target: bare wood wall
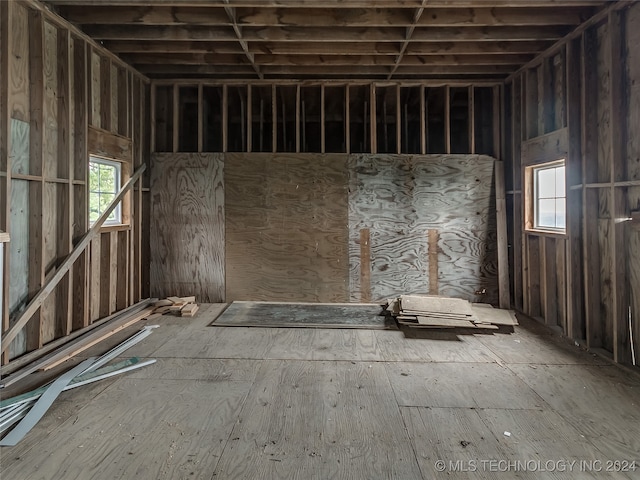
[63, 99]
[581, 102]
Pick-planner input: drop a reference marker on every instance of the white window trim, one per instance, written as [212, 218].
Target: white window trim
[533, 199]
[118, 209]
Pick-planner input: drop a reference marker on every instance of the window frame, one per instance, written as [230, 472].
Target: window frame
[532, 199]
[119, 168]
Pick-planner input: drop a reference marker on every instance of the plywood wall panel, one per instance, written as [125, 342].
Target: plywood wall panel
[400, 198]
[188, 226]
[286, 218]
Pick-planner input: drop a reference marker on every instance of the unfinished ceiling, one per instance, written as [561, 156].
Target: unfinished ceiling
[300, 39]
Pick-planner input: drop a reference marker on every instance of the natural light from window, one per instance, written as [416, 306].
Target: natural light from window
[550, 205]
[104, 184]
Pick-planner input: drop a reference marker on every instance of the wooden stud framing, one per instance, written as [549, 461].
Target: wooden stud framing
[618, 230]
[274, 119]
[574, 314]
[447, 118]
[472, 123]
[322, 120]
[152, 116]
[5, 162]
[516, 133]
[521, 136]
[423, 122]
[298, 119]
[497, 137]
[347, 121]
[66, 169]
[373, 127]
[591, 254]
[398, 122]
[225, 118]
[36, 187]
[176, 118]
[200, 119]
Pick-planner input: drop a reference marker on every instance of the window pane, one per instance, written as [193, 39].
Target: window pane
[560, 186]
[561, 207]
[547, 213]
[94, 177]
[107, 178]
[546, 183]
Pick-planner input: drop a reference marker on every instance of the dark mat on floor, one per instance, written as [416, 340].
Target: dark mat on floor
[311, 315]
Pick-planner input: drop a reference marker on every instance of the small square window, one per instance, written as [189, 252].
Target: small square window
[548, 197]
[104, 185]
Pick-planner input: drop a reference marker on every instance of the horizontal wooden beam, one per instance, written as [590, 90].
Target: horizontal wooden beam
[546, 148]
[326, 17]
[318, 34]
[329, 83]
[328, 48]
[169, 46]
[51, 283]
[320, 60]
[362, 71]
[106, 144]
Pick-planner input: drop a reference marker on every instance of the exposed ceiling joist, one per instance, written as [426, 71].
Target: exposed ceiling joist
[309, 39]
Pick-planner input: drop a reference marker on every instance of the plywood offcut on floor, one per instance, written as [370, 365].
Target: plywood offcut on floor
[296, 403]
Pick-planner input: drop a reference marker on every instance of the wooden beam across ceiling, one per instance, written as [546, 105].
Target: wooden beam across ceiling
[315, 34]
[329, 48]
[352, 17]
[322, 60]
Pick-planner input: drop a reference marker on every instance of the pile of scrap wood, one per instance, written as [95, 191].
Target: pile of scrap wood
[429, 311]
[180, 306]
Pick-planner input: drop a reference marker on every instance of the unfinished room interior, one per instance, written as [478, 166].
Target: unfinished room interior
[319, 239]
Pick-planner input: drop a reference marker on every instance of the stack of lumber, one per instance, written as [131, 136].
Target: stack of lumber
[429, 311]
[179, 306]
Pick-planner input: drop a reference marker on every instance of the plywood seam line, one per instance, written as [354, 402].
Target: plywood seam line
[62, 270]
[408, 34]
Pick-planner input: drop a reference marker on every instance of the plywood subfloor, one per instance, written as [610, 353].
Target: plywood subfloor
[245, 403]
